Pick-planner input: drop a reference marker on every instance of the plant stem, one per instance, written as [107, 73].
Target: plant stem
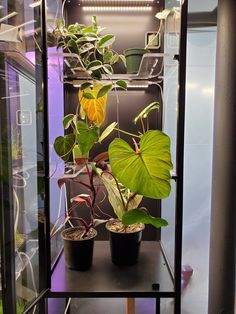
[117, 129]
[157, 33]
[93, 190]
[142, 125]
[132, 196]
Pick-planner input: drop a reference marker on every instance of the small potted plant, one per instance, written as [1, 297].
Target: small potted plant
[135, 172]
[79, 239]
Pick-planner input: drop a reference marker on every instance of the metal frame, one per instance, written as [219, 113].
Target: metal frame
[180, 158]
[8, 265]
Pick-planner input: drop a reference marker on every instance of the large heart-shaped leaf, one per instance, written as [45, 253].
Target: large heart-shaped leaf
[145, 171]
[63, 146]
[95, 109]
[141, 216]
[86, 137]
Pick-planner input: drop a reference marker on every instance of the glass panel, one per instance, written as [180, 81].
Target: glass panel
[55, 97]
[171, 46]
[22, 104]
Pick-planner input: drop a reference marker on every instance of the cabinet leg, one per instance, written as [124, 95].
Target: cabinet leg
[130, 306]
[158, 306]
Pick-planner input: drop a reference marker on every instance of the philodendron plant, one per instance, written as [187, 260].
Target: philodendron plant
[142, 170]
[95, 58]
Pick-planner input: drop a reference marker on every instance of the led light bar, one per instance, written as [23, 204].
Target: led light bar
[111, 2]
[128, 8]
[8, 16]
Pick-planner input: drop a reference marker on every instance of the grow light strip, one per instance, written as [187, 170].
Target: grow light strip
[116, 2]
[108, 9]
[8, 16]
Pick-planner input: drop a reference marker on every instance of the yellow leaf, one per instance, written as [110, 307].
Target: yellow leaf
[95, 109]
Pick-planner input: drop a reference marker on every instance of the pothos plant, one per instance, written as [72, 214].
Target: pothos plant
[141, 170]
[95, 58]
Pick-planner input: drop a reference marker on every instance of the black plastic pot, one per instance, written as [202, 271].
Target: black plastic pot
[124, 246]
[133, 58]
[78, 253]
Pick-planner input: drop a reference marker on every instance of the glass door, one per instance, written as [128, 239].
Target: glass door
[22, 156]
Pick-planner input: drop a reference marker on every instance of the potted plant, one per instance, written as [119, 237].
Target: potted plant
[170, 18]
[143, 170]
[95, 58]
[79, 239]
[133, 57]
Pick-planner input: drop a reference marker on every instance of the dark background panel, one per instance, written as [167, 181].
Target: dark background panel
[137, 24]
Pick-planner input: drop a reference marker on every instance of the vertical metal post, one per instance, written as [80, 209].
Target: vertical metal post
[223, 220]
[180, 157]
[46, 141]
[158, 306]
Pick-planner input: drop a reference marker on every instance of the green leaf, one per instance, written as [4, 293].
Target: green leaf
[86, 137]
[113, 195]
[85, 85]
[94, 65]
[115, 58]
[145, 171]
[107, 56]
[123, 59]
[88, 96]
[88, 29]
[86, 47]
[67, 121]
[97, 75]
[104, 90]
[85, 38]
[76, 152]
[107, 131]
[121, 84]
[63, 146]
[106, 41]
[144, 113]
[108, 69]
[141, 216]
[94, 22]
[72, 45]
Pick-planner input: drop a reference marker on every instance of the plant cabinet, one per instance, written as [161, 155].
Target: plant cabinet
[55, 60]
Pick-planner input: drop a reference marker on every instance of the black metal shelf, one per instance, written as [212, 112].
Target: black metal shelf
[150, 277]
